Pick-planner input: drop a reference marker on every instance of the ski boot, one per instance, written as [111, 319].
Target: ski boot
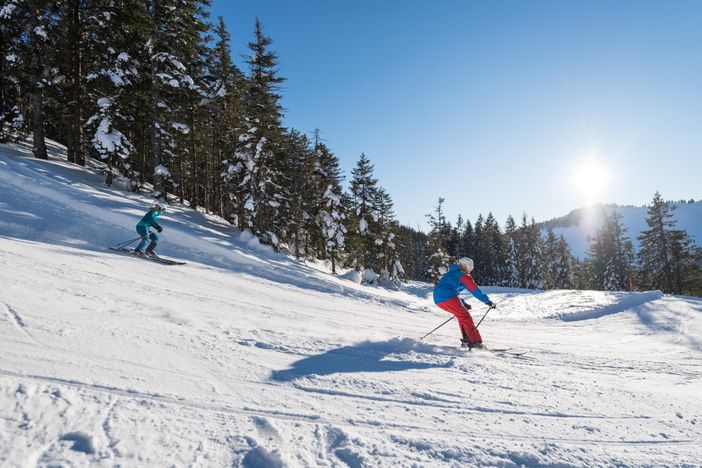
[150, 251]
[138, 253]
[472, 346]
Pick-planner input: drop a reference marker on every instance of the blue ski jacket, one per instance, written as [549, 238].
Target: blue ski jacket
[453, 282]
[150, 219]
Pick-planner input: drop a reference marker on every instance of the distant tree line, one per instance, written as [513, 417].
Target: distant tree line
[150, 88]
[522, 256]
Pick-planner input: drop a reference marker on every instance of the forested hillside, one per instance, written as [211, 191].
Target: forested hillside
[152, 89]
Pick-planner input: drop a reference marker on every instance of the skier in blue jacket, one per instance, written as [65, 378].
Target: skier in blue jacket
[446, 291]
[150, 220]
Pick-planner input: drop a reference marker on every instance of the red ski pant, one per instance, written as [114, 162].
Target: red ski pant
[465, 321]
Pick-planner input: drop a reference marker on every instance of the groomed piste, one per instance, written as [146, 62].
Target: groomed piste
[247, 357]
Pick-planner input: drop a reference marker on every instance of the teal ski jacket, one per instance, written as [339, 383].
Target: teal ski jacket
[150, 219]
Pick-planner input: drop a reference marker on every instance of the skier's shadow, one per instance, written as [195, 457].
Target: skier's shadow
[367, 356]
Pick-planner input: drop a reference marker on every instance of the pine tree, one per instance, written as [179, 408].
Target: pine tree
[455, 246]
[412, 252]
[258, 159]
[390, 265]
[666, 258]
[300, 186]
[364, 215]
[480, 255]
[439, 259]
[107, 81]
[12, 78]
[468, 240]
[73, 28]
[175, 36]
[563, 271]
[530, 247]
[511, 267]
[331, 217]
[216, 188]
[40, 18]
[492, 252]
[550, 259]
[328, 234]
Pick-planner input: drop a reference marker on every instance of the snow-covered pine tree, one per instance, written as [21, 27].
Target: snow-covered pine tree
[610, 256]
[190, 117]
[299, 209]
[390, 267]
[666, 258]
[492, 252]
[621, 270]
[412, 250]
[72, 41]
[363, 218]
[530, 249]
[40, 21]
[258, 161]
[550, 259]
[468, 240]
[455, 247]
[175, 33]
[481, 254]
[107, 80]
[328, 234]
[215, 189]
[438, 259]
[332, 215]
[511, 277]
[12, 78]
[563, 272]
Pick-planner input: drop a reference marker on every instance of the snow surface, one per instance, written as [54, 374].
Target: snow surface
[245, 357]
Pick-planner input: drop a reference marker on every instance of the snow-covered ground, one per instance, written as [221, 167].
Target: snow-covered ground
[244, 357]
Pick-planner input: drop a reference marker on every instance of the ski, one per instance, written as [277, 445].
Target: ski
[501, 351]
[508, 351]
[162, 261]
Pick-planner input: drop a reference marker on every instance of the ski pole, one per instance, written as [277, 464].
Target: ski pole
[124, 244]
[479, 322]
[452, 317]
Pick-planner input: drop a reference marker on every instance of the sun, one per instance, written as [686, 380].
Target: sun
[590, 178]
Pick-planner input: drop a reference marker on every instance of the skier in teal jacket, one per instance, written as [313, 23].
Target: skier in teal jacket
[150, 220]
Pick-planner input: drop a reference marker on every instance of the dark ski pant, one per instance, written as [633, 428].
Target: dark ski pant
[465, 321]
[145, 236]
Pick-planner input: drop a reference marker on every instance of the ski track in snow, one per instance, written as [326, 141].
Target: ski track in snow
[244, 357]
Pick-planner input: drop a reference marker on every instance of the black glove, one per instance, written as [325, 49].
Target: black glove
[465, 304]
[159, 228]
[492, 305]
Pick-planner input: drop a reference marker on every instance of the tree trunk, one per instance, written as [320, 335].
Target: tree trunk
[158, 180]
[76, 143]
[37, 99]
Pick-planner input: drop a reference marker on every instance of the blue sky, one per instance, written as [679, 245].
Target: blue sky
[503, 106]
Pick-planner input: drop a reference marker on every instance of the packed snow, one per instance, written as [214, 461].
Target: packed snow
[246, 357]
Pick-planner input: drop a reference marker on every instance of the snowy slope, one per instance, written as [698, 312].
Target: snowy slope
[244, 357]
[583, 224]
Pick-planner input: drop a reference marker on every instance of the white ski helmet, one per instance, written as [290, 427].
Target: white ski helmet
[466, 264]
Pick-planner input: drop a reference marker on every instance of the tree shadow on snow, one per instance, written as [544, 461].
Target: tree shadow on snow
[367, 356]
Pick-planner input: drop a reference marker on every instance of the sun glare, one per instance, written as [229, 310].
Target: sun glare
[590, 179]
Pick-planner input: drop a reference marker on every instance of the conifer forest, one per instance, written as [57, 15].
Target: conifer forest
[152, 89]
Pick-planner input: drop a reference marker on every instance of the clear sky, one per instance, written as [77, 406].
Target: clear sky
[504, 106]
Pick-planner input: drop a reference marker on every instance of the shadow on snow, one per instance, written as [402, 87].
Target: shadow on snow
[366, 356]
